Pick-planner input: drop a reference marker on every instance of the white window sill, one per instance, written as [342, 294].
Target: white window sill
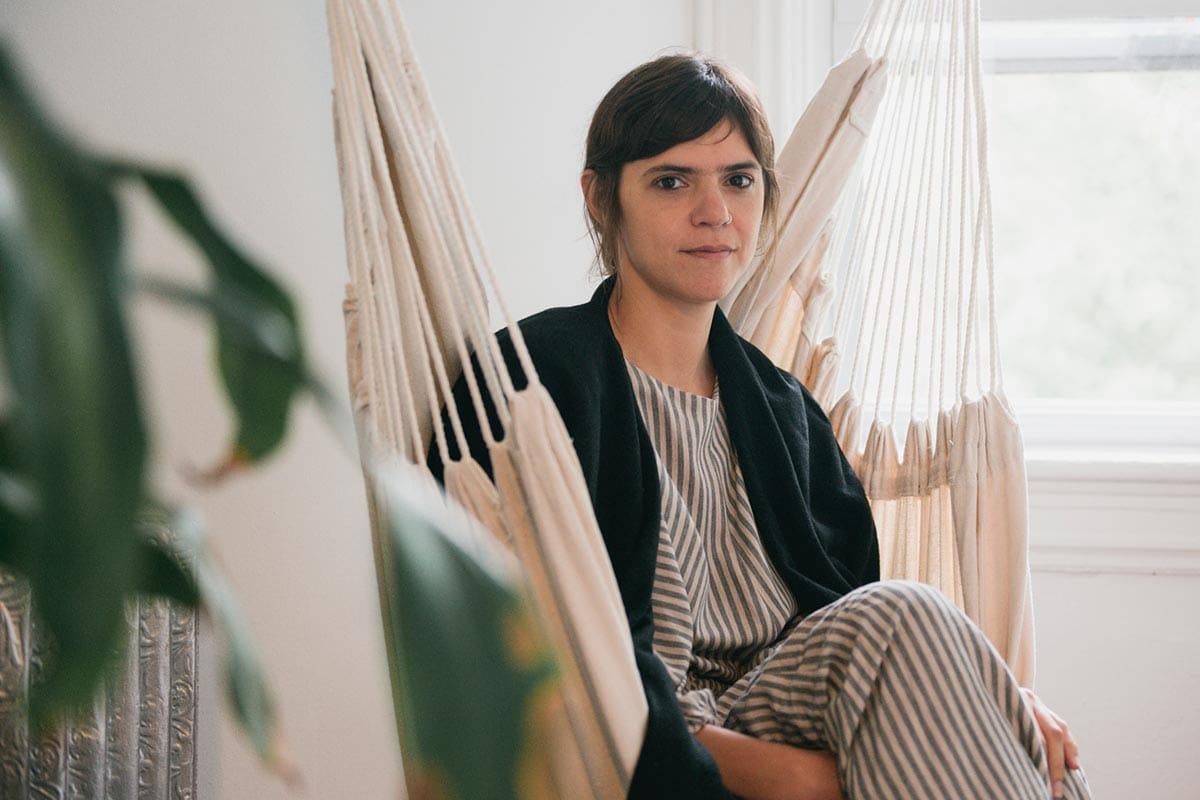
[1115, 510]
[1170, 470]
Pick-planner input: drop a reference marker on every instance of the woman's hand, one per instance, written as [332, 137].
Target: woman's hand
[756, 769]
[1061, 751]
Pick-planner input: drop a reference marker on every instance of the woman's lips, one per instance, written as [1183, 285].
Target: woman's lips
[715, 253]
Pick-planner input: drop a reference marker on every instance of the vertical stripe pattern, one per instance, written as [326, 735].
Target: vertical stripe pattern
[718, 602]
[908, 694]
[902, 687]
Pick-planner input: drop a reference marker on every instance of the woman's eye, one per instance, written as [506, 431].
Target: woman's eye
[669, 182]
[741, 181]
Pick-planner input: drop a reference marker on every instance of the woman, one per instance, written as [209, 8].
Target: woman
[774, 663]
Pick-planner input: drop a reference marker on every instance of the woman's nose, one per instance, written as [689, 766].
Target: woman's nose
[711, 209]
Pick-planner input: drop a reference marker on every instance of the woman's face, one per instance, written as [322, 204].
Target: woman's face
[690, 218]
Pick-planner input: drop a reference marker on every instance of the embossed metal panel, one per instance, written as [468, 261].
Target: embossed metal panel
[139, 740]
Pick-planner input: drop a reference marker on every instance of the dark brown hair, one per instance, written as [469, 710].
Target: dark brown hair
[668, 101]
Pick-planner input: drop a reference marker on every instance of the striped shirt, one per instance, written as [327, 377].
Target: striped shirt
[718, 602]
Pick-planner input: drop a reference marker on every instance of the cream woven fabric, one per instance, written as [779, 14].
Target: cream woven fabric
[878, 295]
[416, 308]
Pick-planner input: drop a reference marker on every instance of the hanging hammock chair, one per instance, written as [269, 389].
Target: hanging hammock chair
[885, 196]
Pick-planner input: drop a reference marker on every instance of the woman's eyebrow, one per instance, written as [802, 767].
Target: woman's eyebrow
[742, 166]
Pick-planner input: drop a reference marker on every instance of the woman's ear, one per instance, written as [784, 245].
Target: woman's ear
[587, 182]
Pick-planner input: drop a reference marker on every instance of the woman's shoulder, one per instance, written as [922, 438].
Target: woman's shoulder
[569, 348]
[768, 370]
[772, 377]
[783, 390]
[556, 328]
[566, 338]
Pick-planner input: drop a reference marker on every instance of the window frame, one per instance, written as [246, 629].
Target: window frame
[1136, 441]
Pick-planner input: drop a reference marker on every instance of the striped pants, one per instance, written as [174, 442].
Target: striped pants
[906, 692]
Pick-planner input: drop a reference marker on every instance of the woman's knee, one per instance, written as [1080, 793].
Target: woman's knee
[904, 593]
[906, 600]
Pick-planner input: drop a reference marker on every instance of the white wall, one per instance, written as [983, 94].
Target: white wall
[1116, 578]
[238, 96]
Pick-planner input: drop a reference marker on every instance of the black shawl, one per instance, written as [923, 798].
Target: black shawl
[809, 507]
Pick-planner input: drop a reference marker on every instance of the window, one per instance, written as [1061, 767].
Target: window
[1095, 157]
[1094, 128]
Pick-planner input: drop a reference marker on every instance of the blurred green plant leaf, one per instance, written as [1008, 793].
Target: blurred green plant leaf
[161, 571]
[74, 518]
[261, 373]
[246, 328]
[17, 504]
[77, 428]
[470, 664]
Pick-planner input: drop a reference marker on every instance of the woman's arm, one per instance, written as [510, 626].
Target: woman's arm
[756, 769]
